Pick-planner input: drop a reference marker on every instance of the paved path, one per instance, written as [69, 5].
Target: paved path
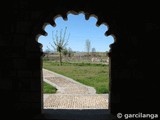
[72, 94]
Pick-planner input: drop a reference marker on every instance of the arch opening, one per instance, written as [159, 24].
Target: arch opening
[96, 55]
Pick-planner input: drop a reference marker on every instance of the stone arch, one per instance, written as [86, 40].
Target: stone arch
[134, 29]
[50, 19]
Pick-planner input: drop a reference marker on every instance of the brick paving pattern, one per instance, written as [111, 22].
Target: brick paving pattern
[72, 94]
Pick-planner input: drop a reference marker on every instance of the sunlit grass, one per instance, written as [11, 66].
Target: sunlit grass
[95, 75]
[47, 88]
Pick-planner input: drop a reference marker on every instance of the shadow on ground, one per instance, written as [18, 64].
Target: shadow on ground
[75, 114]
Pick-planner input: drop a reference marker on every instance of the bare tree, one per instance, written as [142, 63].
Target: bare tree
[70, 52]
[88, 46]
[65, 52]
[60, 42]
[93, 52]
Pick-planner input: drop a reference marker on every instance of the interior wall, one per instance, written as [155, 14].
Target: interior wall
[134, 55]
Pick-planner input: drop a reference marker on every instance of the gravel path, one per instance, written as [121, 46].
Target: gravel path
[71, 94]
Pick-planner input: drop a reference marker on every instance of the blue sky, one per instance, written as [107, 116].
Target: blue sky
[80, 30]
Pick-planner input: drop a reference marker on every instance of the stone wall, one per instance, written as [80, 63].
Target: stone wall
[133, 57]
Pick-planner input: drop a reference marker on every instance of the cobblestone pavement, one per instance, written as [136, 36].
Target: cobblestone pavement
[71, 94]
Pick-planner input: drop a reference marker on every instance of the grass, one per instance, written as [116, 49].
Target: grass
[47, 88]
[95, 75]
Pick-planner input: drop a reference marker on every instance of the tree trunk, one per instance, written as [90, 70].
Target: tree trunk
[60, 58]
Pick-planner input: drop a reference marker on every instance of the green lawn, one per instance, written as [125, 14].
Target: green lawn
[47, 88]
[95, 75]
